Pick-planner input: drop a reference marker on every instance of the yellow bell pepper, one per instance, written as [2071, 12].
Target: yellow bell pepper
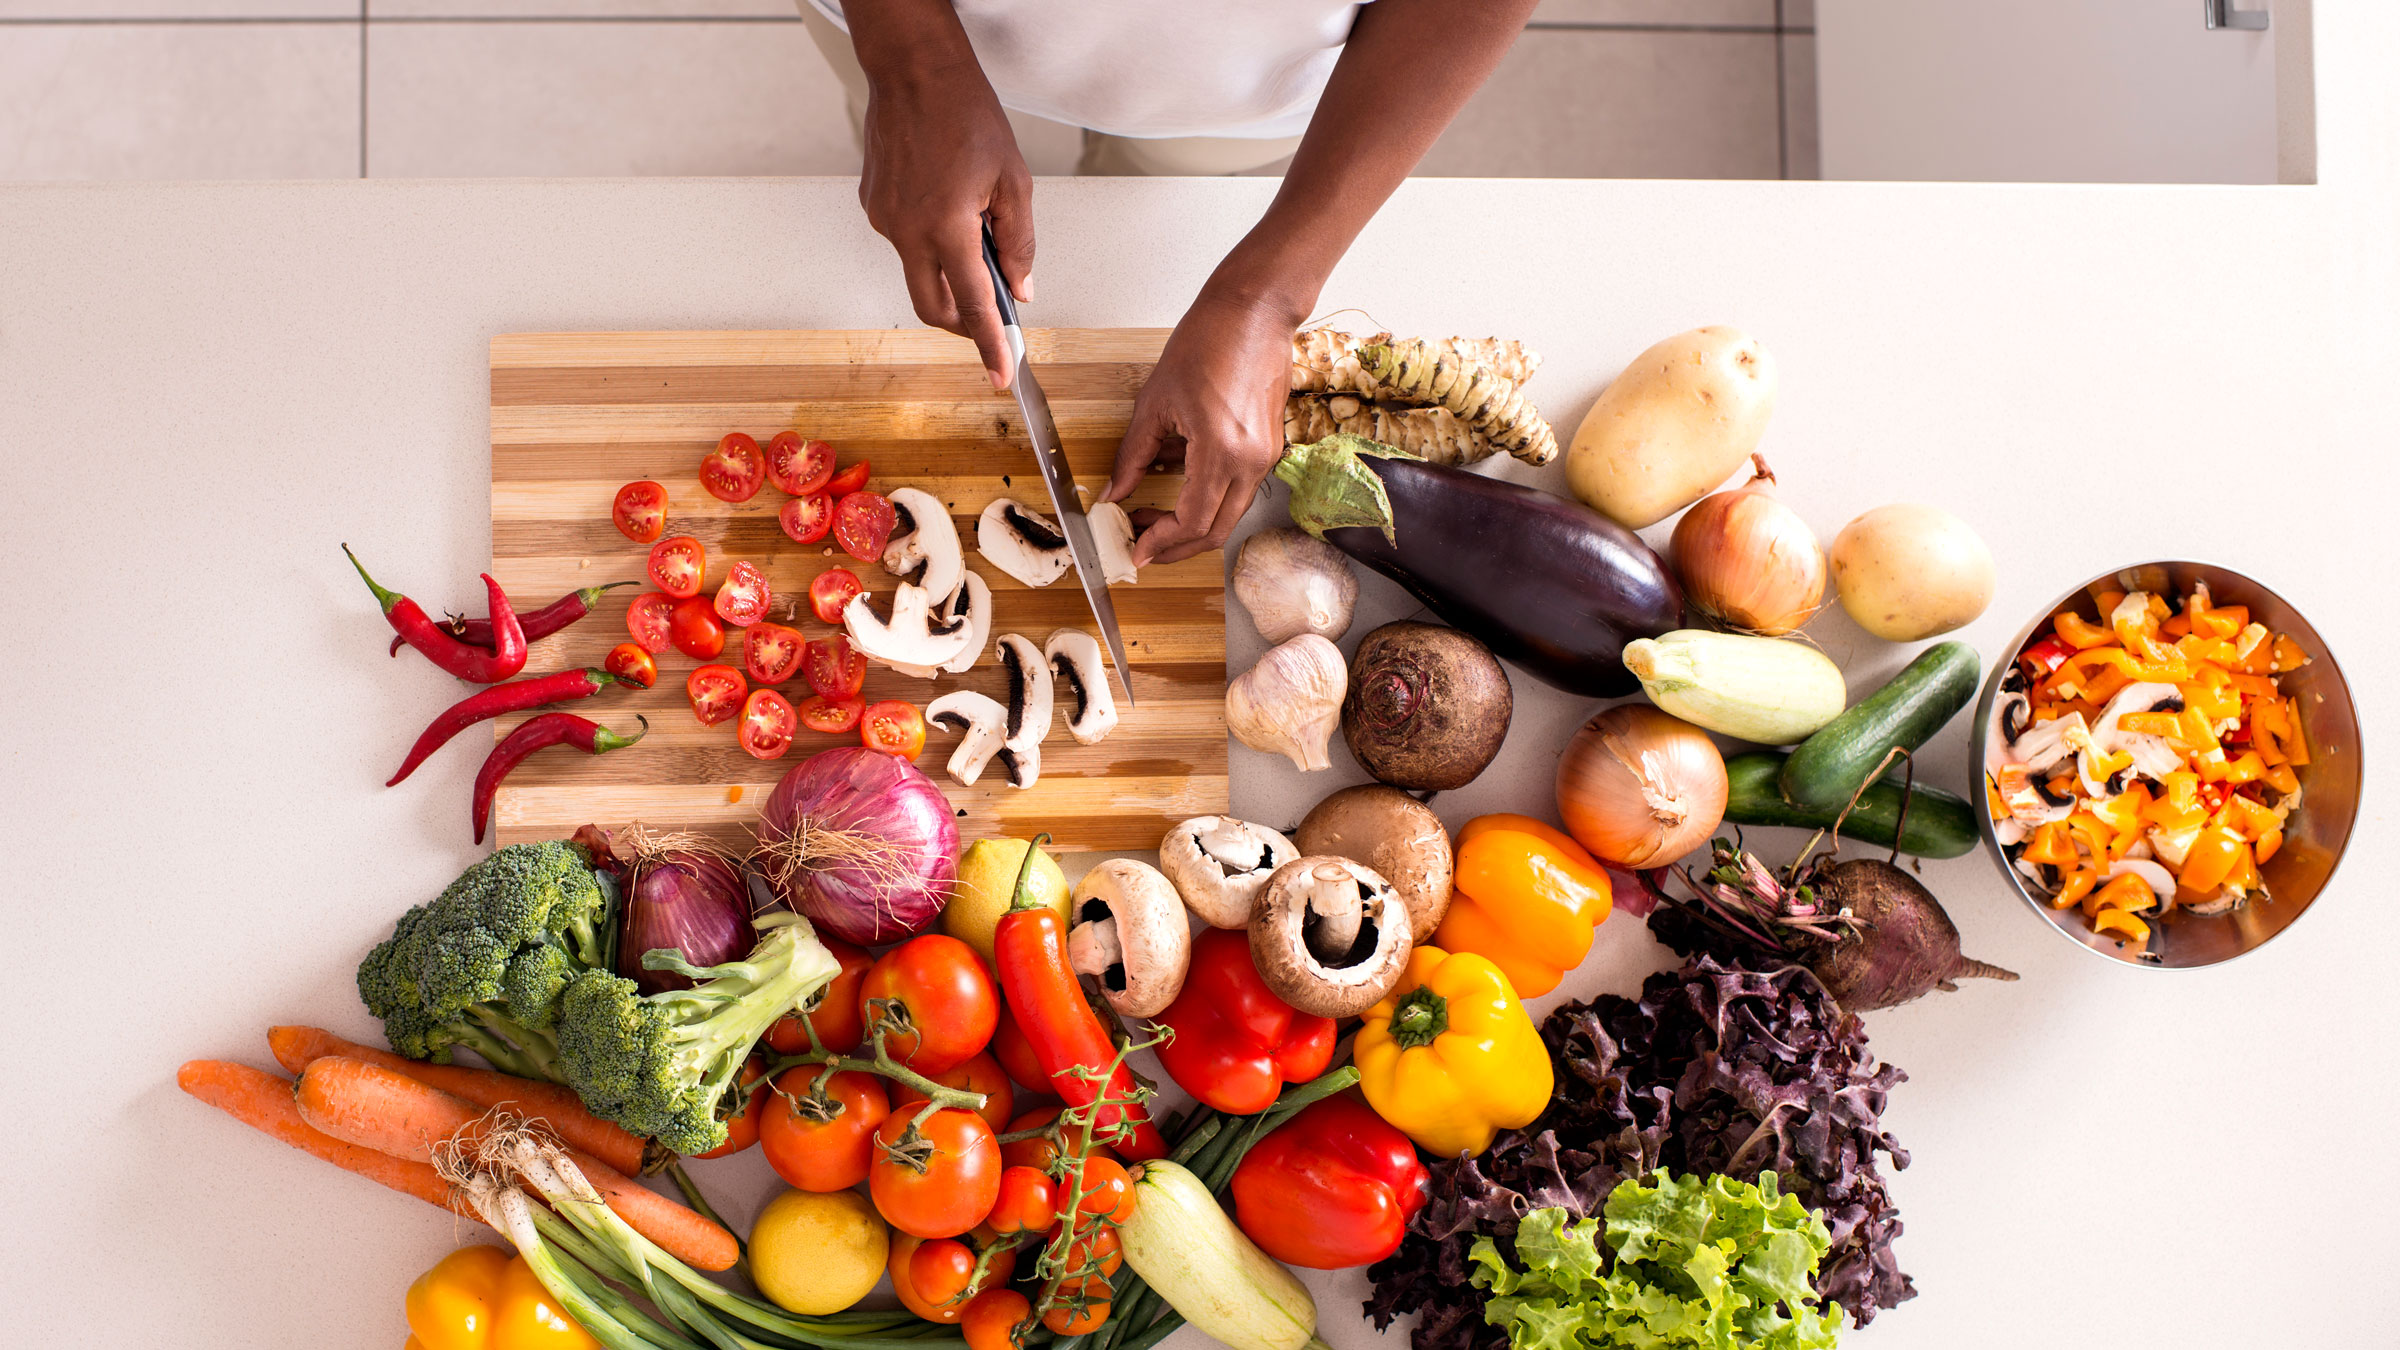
[483, 1298]
[1450, 1056]
[1526, 896]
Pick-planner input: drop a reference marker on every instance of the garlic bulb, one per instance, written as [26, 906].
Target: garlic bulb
[1292, 583]
[1290, 702]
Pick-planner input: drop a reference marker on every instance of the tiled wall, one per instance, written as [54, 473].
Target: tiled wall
[161, 89]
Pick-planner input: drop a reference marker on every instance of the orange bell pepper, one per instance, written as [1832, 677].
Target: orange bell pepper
[2268, 845]
[2078, 884]
[2152, 723]
[2126, 892]
[1526, 897]
[2119, 922]
[2051, 844]
[2281, 778]
[2249, 818]
[2288, 656]
[2210, 860]
[2295, 745]
[2082, 636]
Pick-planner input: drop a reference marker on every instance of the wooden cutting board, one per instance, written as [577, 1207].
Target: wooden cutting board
[577, 415]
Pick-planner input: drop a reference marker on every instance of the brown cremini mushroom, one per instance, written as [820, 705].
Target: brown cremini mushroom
[1330, 937]
[1394, 833]
[1130, 934]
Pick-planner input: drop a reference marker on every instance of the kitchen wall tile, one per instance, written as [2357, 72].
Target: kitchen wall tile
[173, 101]
[581, 9]
[72, 10]
[1799, 13]
[1673, 13]
[1600, 104]
[1800, 106]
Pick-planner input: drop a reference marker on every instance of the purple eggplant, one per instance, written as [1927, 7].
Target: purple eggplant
[1547, 584]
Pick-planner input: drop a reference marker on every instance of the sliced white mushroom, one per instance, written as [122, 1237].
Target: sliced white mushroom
[1022, 542]
[1219, 865]
[982, 724]
[1028, 675]
[1080, 674]
[972, 601]
[924, 546]
[1112, 534]
[912, 639]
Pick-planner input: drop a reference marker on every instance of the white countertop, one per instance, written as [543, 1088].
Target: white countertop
[204, 390]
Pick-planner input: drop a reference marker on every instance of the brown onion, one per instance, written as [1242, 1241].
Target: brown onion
[1748, 560]
[1640, 788]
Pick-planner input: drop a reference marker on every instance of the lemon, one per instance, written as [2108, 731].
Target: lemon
[816, 1254]
[987, 877]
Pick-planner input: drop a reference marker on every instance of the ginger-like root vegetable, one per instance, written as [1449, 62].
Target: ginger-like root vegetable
[1432, 434]
[1325, 361]
[1417, 371]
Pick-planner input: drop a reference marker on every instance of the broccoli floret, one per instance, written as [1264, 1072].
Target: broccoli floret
[658, 1064]
[484, 964]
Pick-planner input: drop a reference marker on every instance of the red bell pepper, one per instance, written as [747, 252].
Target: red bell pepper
[1333, 1187]
[1235, 1043]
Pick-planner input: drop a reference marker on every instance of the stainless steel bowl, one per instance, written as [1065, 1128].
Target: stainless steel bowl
[2316, 834]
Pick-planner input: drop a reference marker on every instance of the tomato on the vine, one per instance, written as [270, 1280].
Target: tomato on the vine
[1065, 1321]
[1107, 1190]
[901, 1264]
[1041, 1151]
[716, 693]
[946, 1004]
[829, 594]
[830, 715]
[862, 524]
[695, 628]
[733, 471]
[833, 669]
[767, 725]
[992, 1317]
[1027, 1202]
[836, 1016]
[806, 519]
[630, 662]
[742, 597]
[1095, 1243]
[822, 1143]
[677, 565]
[649, 621]
[797, 464]
[937, 1179]
[848, 480]
[640, 511]
[741, 1129]
[771, 652]
[940, 1272]
[895, 727]
[978, 1073]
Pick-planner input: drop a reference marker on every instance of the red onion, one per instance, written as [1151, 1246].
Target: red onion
[690, 899]
[861, 843]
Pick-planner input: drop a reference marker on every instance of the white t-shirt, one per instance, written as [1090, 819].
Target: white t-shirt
[1246, 69]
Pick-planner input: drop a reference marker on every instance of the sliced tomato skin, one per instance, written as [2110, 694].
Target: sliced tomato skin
[848, 480]
[715, 692]
[895, 727]
[806, 519]
[832, 715]
[734, 470]
[772, 652]
[798, 465]
[829, 594]
[743, 596]
[767, 724]
[678, 564]
[640, 511]
[834, 669]
[862, 524]
[648, 621]
[695, 628]
[630, 662]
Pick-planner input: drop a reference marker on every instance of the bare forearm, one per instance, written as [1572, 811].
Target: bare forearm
[1408, 68]
[897, 39]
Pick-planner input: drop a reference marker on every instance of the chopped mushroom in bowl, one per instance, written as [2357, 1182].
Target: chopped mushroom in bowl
[2168, 763]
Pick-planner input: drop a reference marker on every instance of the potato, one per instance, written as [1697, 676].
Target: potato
[1906, 572]
[1676, 422]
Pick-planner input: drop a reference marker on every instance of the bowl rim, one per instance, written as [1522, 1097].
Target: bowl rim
[1980, 736]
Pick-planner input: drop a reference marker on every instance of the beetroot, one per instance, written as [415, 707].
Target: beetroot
[1903, 946]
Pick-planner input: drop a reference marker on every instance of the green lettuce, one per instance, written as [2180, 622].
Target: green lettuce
[1710, 1262]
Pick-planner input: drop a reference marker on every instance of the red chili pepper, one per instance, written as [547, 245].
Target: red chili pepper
[1330, 1188]
[505, 657]
[2046, 656]
[503, 698]
[546, 730]
[540, 624]
[1236, 1044]
[1030, 950]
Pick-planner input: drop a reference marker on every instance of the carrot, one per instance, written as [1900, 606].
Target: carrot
[264, 1102]
[550, 1104]
[374, 1107]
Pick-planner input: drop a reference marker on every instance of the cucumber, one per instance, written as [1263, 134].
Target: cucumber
[1940, 824]
[1829, 766]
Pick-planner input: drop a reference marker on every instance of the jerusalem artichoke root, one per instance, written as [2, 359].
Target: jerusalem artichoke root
[1433, 434]
[1417, 371]
[1325, 361]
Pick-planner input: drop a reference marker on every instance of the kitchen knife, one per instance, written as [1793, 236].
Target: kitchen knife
[1056, 475]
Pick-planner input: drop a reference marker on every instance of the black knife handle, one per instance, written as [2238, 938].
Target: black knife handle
[991, 262]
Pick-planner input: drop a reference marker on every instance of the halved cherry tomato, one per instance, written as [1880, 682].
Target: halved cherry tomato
[771, 652]
[630, 662]
[733, 471]
[648, 621]
[895, 727]
[695, 630]
[946, 1004]
[938, 1192]
[848, 480]
[806, 519]
[1028, 1203]
[741, 1131]
[798, 465]
[833, 669]
[828, 1143]
[840, 1023]
[716, 693]
[991, 1319]
[640, 511]
[677, 565]
[980, 1073]
[862, 524]
[742, 597]
[830, 593]
[767, 725]
[832, 716]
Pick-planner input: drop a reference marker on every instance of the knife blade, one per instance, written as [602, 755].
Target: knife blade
[1057, 475]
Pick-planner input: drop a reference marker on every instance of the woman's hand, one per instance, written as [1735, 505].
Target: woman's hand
[1214, 404]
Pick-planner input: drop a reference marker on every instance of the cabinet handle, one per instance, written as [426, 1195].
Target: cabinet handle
[2222, 14]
